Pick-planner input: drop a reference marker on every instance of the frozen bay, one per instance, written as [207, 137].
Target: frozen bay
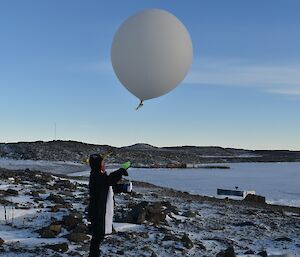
[278, 182]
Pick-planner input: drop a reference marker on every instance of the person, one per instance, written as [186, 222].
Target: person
[101, 202]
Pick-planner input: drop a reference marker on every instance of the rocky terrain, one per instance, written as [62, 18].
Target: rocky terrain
[141, 155]
[42, 214]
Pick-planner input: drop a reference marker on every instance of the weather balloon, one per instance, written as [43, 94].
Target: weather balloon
[151, 53]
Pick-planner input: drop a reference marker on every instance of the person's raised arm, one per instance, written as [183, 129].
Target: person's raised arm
[114, 177]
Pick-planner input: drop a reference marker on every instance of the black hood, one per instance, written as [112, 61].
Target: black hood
[95, 161]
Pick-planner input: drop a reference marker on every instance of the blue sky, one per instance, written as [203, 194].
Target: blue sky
[243, 89]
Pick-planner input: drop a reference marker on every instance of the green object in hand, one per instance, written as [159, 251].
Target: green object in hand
[126, 165]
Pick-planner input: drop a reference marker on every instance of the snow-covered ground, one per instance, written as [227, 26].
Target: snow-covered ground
[211, 224]
[48, 166]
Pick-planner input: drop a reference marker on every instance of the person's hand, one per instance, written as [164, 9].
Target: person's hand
[126, 165]
[124, 172]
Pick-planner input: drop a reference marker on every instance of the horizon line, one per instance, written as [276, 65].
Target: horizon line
[89, 143]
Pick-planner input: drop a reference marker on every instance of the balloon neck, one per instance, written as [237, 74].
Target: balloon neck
[140, 105]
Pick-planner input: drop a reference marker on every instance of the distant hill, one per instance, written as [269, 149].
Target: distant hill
[142, 155]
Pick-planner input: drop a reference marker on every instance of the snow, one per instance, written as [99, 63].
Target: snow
[126, 227]
[49, 166]
[256, 176]
[26, 237]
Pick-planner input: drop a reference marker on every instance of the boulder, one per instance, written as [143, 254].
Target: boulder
[190, 214]
[47, 233]
[169, 207]
[154, 213]
[245, 224]
[72, 220]
[283, 239]
[249, 252]
[170, 237]
[255, 198]
[51, 231]
[154, 254]
[55, 228]
[34, 193]
[229, 252]
[78, 237]
[80, 228]
[63, 247]
[55, 198]
[57, 207]
[11, 192]
[1, 241]
[141, 217]
[136, 215]
[263, 253]
[187, 242]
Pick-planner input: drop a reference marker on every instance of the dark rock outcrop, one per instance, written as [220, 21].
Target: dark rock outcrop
[187, 242]
[11, 192]
[229, 252]
[72, 220]
[255, 198]
[56, 199]
[61, 248]
[78, 237]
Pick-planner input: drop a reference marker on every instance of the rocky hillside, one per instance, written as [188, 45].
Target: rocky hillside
[142, 155]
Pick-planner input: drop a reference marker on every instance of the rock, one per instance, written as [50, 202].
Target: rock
[78, 237]
[154, 213]
[67, 193]
[141, 217]
[55, 228]
[80, 228]
[284, 239]
[244, 224]
[41, 206]
[229, 252]
[1, 241]
[72, 220]
[47, 233]
[187, 242]
[55, 198]
[263, 253]
[35, 194]
[169, 207]
[57, 207]
[154, 254]
[170, 237]
[11, 192]
[249, 252]
[64, 184]
[190, 214]
[63, 247]
[255, 198]
[280, 255]
[136, 215]
[51, 231]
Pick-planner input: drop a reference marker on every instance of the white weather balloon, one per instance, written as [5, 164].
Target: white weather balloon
[151, 53]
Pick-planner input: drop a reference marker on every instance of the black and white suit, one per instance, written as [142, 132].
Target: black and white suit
[101, 205]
